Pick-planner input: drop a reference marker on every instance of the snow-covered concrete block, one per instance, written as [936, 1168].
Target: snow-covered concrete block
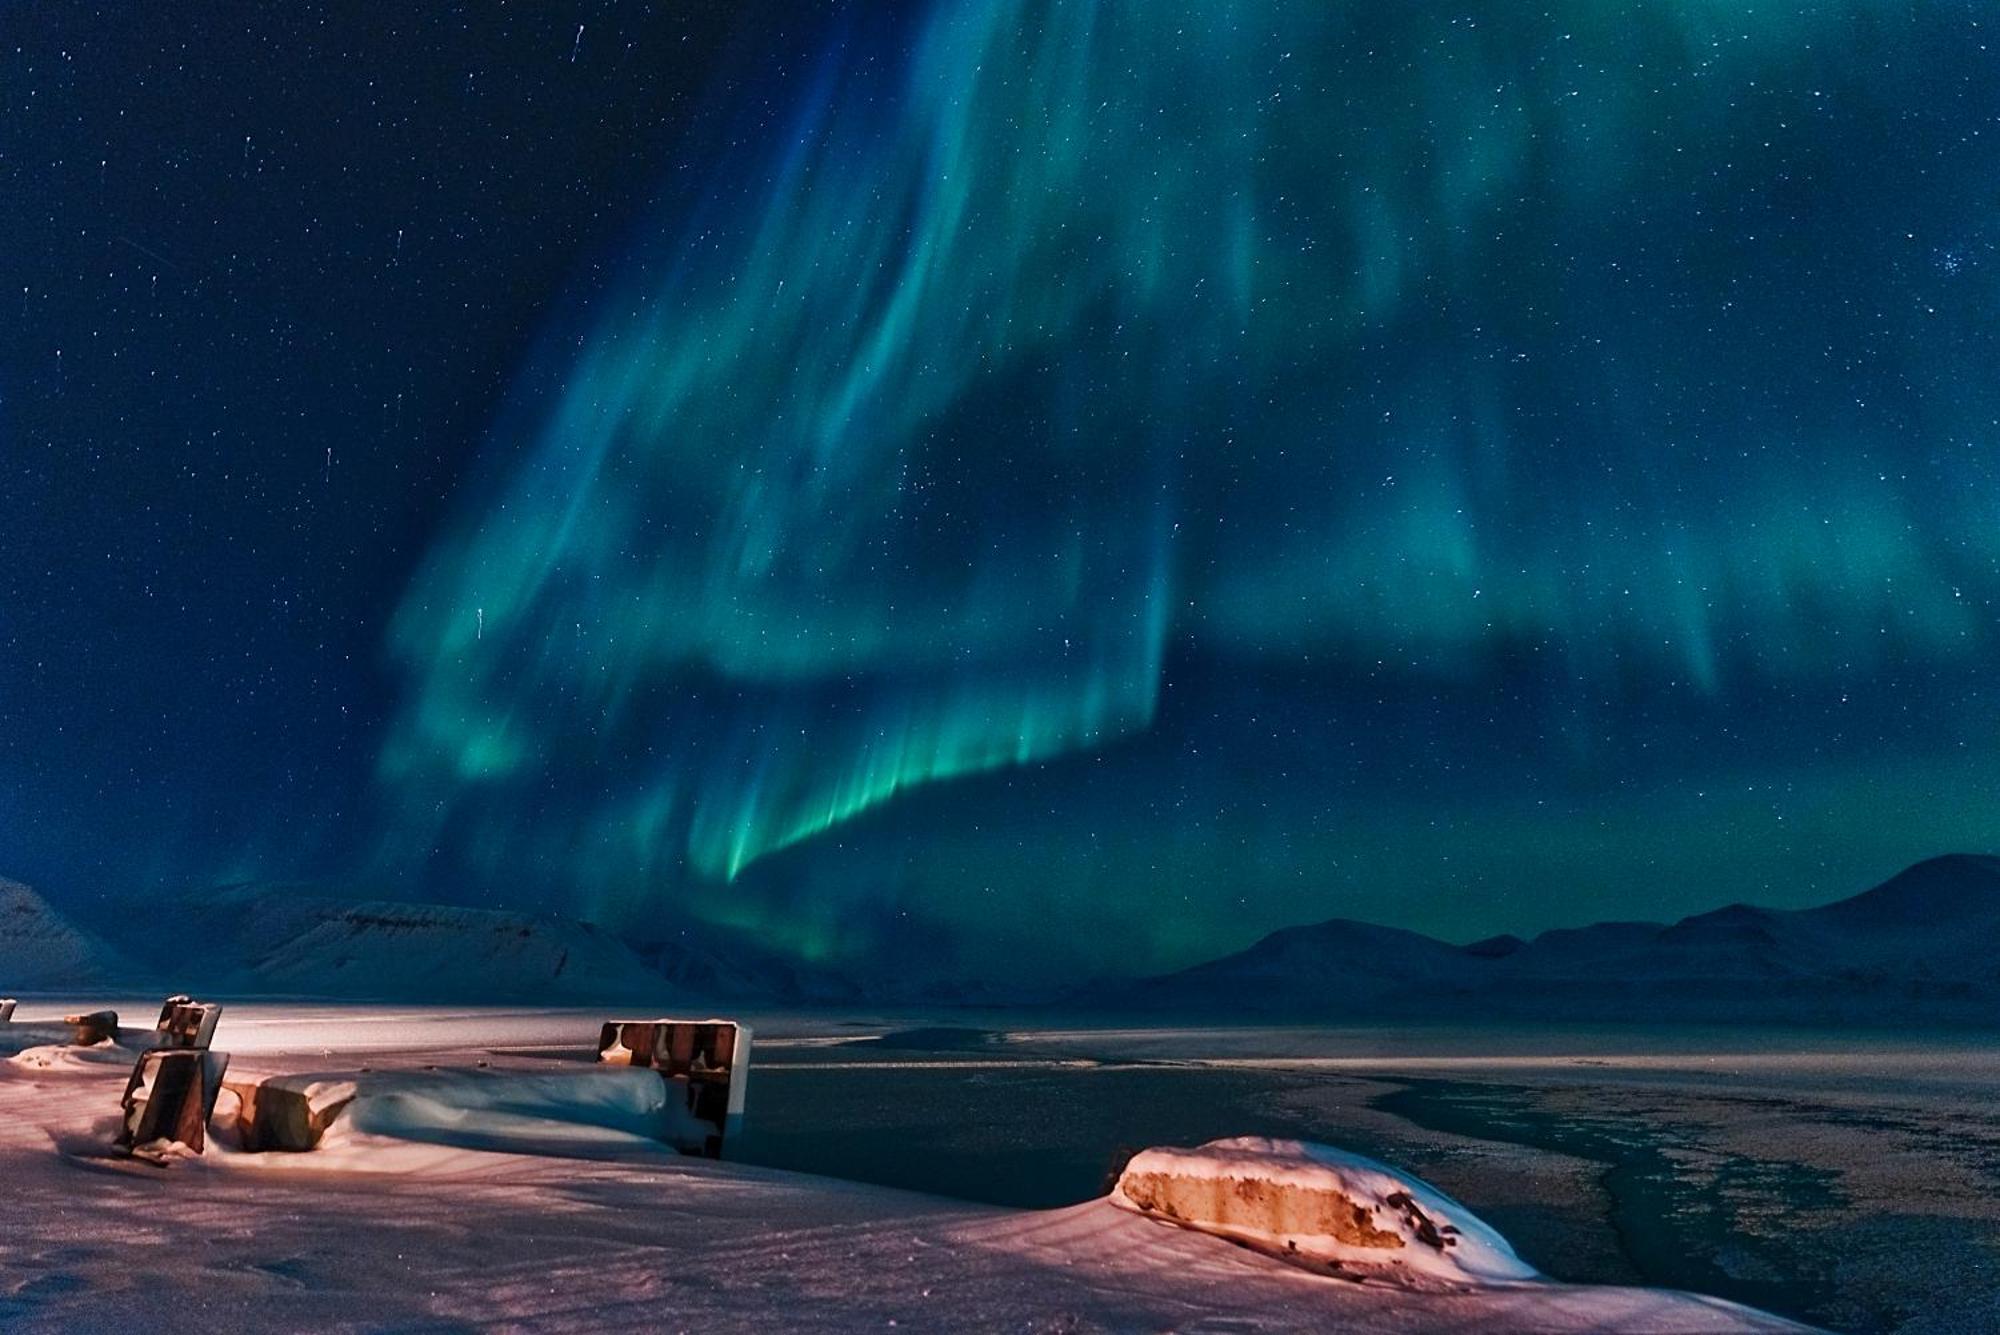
[1312, 1202]
[169, 1099]
[288, 1113]
[706, 1062]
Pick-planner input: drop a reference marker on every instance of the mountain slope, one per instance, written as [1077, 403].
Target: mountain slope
[294, 941]
[39, 949]
[1342, 964]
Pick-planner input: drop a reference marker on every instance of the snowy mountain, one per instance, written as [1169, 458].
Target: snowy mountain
[295, 941]
[40, 949]
[1923, 947]
[276, 939]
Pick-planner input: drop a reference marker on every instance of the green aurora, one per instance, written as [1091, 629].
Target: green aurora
[1107, 479]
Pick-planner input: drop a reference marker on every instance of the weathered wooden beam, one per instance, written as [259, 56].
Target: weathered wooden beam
[167, 1008]
[186, 1024]
[169, 1099]
[706, 1064]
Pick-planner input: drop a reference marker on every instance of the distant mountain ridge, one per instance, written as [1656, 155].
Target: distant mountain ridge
[277, 939]
[312, 941]
[1922, 947]
[297, 941]
[306, 941]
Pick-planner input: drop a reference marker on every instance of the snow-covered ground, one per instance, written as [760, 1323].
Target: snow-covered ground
[564, 1218]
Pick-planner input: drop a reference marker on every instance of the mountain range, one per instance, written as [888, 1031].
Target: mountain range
[1921, 948]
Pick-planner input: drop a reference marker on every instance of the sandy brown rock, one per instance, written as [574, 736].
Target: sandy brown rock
[1253, 1205]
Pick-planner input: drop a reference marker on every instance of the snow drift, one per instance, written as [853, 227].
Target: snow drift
[579, 1112]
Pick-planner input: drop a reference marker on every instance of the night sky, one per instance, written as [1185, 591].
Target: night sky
[1002, 486]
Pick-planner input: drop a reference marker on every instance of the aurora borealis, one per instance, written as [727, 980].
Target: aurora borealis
[1061, 484]
[1078, 348]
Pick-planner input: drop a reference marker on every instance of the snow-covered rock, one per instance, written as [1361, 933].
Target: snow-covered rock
[1311, 1202]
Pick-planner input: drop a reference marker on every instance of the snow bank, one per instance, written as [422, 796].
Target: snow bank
[594, 1110]
[525, 1113]
[1312, 1202]
[69, 1057]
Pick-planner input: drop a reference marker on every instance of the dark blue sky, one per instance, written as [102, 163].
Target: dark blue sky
[268, 274]
[1022, 478]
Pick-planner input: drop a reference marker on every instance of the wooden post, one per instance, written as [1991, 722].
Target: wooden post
[186, 1024]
